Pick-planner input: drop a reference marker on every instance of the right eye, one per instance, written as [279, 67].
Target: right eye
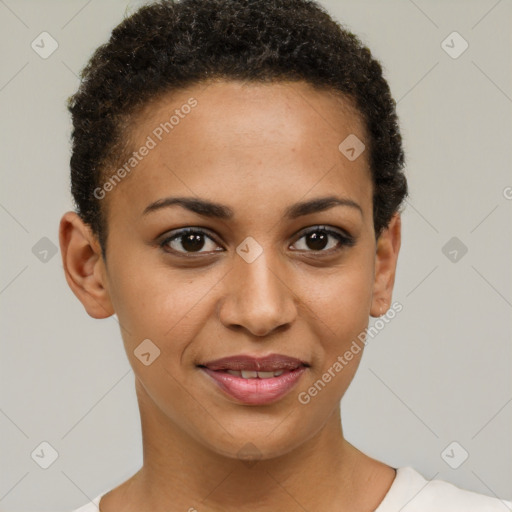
[189, 240]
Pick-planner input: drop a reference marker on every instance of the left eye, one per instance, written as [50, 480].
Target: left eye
[317, 240]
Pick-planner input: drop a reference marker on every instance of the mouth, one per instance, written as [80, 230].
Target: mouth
[253, 380]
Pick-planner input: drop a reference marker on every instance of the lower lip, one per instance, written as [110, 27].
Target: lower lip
[256, 391]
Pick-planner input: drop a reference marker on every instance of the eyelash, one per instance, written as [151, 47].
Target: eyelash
[343, 240]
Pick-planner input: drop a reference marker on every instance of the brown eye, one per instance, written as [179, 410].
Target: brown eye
[190, 241]
[321, 239]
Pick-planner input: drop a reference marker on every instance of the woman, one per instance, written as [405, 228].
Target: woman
[237, 169]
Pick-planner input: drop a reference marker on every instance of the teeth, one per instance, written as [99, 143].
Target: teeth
[265, 375]
[247, 374]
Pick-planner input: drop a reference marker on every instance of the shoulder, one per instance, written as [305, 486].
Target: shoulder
[411, 492]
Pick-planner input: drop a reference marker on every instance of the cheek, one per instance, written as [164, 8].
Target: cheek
[167, 306]
[342, 304]
[342, 312]
[342, 299]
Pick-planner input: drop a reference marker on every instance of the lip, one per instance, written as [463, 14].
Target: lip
[269, 363]
[255, 391]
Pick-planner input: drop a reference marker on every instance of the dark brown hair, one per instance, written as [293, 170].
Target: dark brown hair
[169, 45]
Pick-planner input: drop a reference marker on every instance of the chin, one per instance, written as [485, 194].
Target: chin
[257, 441]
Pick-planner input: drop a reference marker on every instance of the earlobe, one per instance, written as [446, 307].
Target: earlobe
[84, 266]
[388, 247]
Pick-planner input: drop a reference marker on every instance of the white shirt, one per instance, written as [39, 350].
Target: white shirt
[410, 492]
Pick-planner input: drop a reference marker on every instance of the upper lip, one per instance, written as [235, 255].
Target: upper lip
[270, 363]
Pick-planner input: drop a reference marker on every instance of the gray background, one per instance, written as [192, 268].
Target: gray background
[439, 372]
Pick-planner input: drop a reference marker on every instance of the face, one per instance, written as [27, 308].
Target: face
[269, 251]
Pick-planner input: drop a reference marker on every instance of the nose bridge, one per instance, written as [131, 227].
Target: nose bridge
[258, 298]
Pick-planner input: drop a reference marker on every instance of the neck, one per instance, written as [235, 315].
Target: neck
[179, 473]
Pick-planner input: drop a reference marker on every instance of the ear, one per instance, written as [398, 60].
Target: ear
[388, 246]
[84, 266]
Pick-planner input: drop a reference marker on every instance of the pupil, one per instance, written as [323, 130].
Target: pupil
[192, 242]
[317, 240]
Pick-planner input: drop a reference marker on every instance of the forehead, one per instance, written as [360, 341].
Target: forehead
[228, 141]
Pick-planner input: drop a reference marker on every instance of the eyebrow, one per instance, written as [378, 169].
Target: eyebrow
[220, 211]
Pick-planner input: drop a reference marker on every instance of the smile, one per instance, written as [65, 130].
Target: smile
[255, 380]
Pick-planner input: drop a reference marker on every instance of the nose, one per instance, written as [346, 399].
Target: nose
[258, 297]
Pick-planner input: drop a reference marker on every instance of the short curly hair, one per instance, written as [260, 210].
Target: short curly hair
[169, 44]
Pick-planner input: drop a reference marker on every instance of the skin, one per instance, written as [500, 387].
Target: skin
[258, 149]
